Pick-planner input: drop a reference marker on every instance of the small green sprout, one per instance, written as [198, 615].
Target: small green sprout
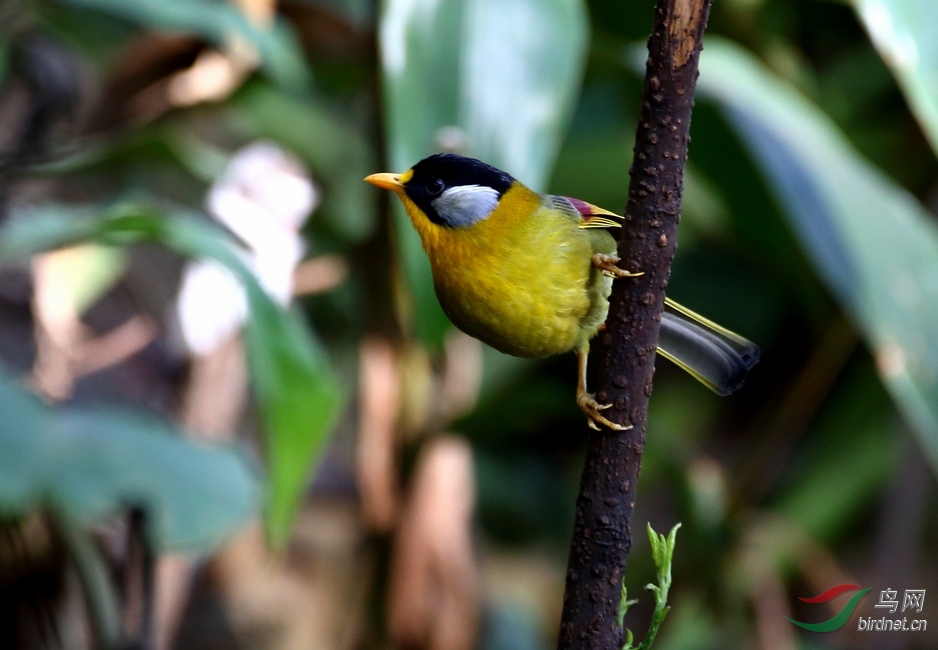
[662, 551]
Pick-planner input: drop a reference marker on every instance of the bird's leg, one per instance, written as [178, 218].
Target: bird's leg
[587, 401]
[607, 264]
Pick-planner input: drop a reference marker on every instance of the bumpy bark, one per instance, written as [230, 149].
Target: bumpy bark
[624, 354]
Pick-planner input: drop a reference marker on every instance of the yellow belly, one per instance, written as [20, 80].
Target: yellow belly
[526, 287]
[541, 318]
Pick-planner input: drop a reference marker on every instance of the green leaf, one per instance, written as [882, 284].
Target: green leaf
[106, 459]
[629, 638]
[88, 463]
[906, 34]
[420, 48]
[662, 552]
[657, 546]
[440, 70]
[624, 605]
[299, 399]
[23, 423]
[871, 242]
[217, 22]
[521, 65]
[297, 393]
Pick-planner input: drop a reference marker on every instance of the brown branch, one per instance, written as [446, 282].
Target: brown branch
[139, 589]
[625, 353]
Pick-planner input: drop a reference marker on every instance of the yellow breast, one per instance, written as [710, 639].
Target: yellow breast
[520, 280]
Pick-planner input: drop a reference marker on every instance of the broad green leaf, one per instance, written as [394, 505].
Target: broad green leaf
[216, 21]
[906, 34]
[872, 243]
[23, 422]
[505, 73]
[299, 399]
[297, 393]
[520, 72]
[88, 463]
[495, 78]
[106, 459]
[420, 41]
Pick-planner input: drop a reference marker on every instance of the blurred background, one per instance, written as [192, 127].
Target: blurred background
[232, 414]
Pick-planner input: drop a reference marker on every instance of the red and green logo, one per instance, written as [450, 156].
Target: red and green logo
[840, 618]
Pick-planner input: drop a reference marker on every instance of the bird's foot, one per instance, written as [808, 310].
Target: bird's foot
[607, 264]
[592, 408]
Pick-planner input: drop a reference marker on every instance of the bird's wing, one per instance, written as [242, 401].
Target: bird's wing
[585, 214]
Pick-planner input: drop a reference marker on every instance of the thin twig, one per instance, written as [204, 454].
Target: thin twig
[625, 353]
[99, 592]
[139, 596]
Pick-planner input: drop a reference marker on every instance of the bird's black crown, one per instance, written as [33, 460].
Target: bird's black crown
[433, 175]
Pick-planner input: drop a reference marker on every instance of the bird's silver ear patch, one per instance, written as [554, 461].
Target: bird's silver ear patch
[464, 205]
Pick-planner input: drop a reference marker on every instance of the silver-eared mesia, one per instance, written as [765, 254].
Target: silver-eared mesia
[530, 274]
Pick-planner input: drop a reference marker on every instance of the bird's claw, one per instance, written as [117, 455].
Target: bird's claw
[587, 402]
[607, 264]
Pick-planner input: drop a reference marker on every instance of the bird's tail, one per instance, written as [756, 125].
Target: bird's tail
[713, 355]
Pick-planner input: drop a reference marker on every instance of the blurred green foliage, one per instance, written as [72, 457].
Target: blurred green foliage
[297, 394]
[853, 221]
[85, 464]
[905, 33]
[217, 22]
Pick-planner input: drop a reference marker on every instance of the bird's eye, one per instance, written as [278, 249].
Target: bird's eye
[435, 186]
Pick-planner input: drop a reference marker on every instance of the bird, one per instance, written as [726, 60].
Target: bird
[531, 274]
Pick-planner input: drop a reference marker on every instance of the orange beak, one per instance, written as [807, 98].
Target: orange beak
[386, 181]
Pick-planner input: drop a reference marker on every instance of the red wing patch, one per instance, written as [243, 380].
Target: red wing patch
[591, 216]
[582, 207]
